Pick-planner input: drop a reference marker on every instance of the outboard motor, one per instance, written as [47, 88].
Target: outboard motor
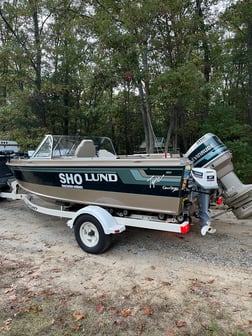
[210, 152]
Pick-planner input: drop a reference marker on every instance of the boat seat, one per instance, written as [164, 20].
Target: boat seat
[86, 148]
[103, 153]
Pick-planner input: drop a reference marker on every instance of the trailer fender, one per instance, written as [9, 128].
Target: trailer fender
[107, 221]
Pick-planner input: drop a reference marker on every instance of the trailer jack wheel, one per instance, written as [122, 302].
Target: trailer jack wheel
[90, 235]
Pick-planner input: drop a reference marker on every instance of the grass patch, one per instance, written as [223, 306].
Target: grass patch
[144, 310]
[215, 330]
[52, 316]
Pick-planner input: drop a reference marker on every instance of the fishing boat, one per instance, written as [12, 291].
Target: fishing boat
[109, 192]
[87, 171]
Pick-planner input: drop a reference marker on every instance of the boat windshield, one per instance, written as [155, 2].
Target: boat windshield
[54, 146]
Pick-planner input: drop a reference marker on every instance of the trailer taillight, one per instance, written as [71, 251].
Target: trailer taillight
[219, 200]
[185, 228]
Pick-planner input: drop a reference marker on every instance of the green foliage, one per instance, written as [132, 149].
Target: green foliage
[77, 67]
[242, 158]
[224, 122]
[183, 86]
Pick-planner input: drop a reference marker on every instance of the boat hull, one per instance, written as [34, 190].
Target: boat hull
[143, 185]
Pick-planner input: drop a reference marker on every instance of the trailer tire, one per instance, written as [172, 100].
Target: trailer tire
[90, 235]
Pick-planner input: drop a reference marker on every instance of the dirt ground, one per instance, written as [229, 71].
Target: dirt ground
[148, 283]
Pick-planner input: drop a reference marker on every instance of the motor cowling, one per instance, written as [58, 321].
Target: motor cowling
[205, 178]
[210, 152]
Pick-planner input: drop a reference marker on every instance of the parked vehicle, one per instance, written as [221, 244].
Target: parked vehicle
[9, 149]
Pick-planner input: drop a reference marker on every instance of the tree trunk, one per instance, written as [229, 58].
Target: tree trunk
[170, 130]
[148, 130]
[145, 101]
[250, 72]
[207, 67]
[37, 64]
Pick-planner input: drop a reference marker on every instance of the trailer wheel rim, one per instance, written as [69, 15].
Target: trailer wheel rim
[89, 234]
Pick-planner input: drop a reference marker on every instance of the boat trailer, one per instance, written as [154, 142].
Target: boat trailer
[94, 225]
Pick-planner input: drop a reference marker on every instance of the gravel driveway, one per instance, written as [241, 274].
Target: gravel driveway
[187, 281]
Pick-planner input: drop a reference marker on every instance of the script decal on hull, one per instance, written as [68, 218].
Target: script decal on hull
[153, 180]
[76, 180]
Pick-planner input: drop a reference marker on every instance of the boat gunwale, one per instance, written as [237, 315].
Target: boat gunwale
[61, 163]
